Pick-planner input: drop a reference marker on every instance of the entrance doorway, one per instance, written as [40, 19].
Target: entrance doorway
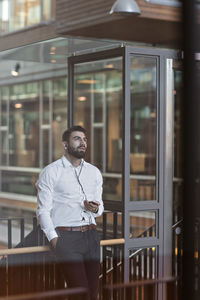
[124, 97]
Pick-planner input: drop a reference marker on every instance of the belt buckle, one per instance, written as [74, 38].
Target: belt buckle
[83, 228]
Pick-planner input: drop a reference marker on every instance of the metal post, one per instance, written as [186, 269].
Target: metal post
[191, 150]
[9, 233]
[70, 93]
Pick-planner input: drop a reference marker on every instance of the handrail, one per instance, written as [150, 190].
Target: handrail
[177, 223]
[49, 294]
[37, 249]
[120, 263]
[140, 283]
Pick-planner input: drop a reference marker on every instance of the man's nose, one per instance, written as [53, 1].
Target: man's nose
[83, 143]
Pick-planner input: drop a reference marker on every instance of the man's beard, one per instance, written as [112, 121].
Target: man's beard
[76, 153]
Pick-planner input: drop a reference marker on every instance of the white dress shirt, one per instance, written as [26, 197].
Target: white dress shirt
[61, 197]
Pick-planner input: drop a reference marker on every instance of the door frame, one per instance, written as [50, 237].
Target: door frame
[164, 152]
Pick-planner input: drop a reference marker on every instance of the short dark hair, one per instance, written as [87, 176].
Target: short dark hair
[67, 133]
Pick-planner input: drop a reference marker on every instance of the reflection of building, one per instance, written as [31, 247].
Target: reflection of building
[36, 106]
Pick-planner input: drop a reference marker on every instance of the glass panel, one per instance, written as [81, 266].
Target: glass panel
[24, 125]
[46, 108]
[178, 174]
[178, 124]
[4, 104]
[4, 148]
[19, 182]
[112, 223]
[112, 188]
[143, 128]
[143, 265]
[114, 119]
[17, 14]
[142, 224]
[98, 108]
[23, 13]
[83, 94]
[98, 149]
[47, 4]
[99, 96]
[4, 16]
[59, 114]
[46, 141]
[142, 189]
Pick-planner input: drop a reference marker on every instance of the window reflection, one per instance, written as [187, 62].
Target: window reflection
[4, 94]
[59, 124]
[4, 147]
[46, 102]
[19, 182]
[30, 134]
[142, 224]
[4, 106]
[143, 128]
[114, 121]
[17, 14]
[98, 107]
[24, 125]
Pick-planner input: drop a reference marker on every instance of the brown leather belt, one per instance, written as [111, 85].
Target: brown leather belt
[77, 228]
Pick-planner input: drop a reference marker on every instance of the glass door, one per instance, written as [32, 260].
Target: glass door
[124, 98]
[97, 105]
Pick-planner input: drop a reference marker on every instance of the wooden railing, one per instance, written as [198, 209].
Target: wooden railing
[150, 288]
[40, 249]
[56, 295]
[32, 269]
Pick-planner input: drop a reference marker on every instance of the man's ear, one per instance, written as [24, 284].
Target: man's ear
[65, 145]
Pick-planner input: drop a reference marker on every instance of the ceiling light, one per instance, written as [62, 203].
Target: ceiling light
[109, 66]
[15, 71]
[87, 81]
[82, 98]
[18, 105]
[125, 7]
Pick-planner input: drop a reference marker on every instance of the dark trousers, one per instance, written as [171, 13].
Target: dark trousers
[79, 256]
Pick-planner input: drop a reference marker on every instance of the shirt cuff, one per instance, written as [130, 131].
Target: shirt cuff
[82, 204]
[51, 235]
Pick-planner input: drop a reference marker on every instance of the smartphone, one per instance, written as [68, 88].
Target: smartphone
[94, 203]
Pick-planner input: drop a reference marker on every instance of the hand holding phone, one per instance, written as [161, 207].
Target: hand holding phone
[91, 205]
[94, 203]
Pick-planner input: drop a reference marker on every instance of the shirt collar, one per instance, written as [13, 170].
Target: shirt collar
[66, 162]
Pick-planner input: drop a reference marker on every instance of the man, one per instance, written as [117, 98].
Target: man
[69, 200]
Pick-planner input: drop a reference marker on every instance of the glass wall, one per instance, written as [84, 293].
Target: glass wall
[18, 14]
[98, 107]
[23, 125]
[143, 128]
[33, 116]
